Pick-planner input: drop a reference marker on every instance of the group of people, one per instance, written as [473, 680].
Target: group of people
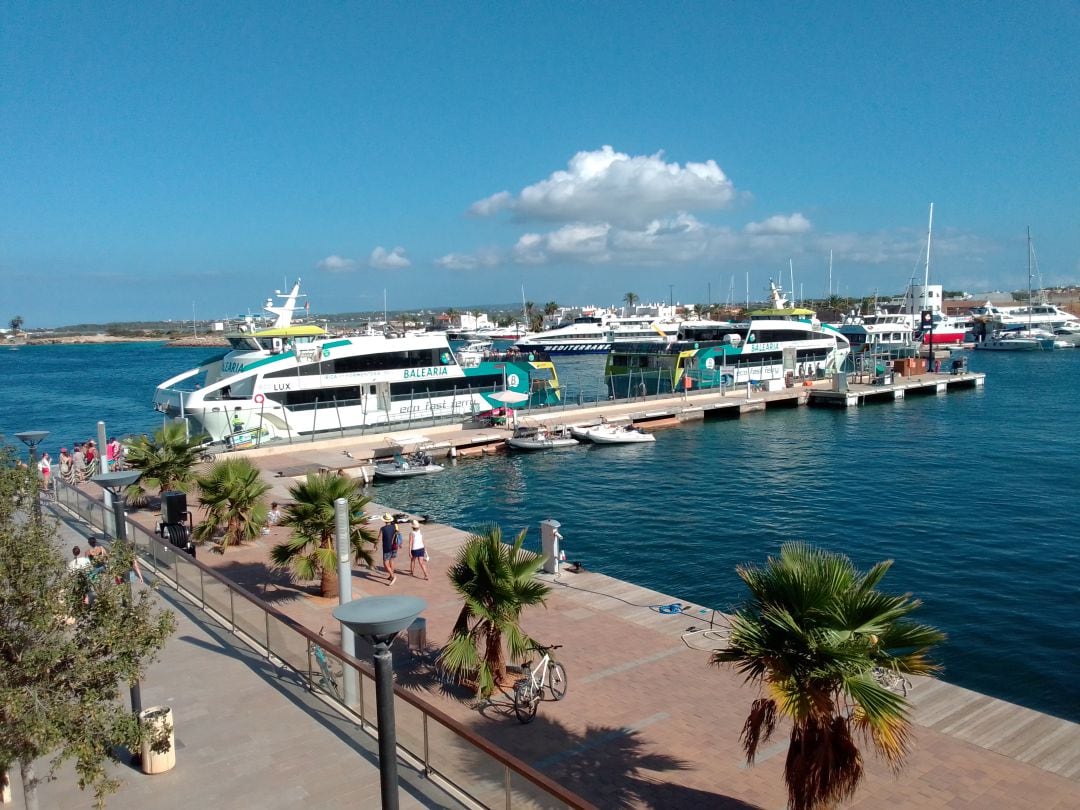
[83, 463]
[392, 541]
[92, 563]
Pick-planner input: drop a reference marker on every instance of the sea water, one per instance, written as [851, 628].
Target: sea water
[972, 493]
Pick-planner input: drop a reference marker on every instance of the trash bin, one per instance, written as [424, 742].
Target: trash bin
[418, 634]
[157, 722]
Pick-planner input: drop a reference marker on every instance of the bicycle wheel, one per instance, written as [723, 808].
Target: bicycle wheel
[526, 700]
[557, 681]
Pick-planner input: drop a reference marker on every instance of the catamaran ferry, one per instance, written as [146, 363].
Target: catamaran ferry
[293, 380]
[771, 345]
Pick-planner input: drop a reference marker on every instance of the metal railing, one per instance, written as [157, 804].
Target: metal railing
[459, 760]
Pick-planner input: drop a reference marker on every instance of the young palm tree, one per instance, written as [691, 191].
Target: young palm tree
[497, 582]
[310, 552]
[166, 461]
[630, 299]
[232, 492]
[811, 634]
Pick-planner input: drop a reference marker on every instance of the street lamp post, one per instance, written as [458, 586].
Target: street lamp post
[379, 619]
[32, 438]
[115, 483]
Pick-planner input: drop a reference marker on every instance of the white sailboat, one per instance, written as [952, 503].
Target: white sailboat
[1022, 340]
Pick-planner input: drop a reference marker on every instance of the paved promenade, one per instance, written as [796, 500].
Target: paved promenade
[247, 735]
[648, 723]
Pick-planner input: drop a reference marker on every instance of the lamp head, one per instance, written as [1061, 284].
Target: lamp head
[117, 481]
[375, 616]
[32, 438]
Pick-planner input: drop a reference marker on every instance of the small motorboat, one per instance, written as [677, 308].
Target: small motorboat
[618, 434]
[410, 459]
[406, 466]
[541, 437]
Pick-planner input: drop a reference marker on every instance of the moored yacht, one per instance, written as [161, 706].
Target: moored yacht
[295, 380]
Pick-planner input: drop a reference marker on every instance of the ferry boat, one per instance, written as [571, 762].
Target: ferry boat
[772, 344]
[1033, 316]
[595, 333]
[293, 380]
[882, 334]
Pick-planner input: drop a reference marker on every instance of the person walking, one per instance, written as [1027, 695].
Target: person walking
[391, 542]
[417, 550]
[45, 470]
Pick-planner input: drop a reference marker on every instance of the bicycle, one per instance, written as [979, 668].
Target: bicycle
[548, 673]
[891, 680]
[326, 680]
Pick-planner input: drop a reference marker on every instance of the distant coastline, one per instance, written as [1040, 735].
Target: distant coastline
[76, 340]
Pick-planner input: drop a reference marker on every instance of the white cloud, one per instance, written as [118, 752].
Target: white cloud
[613, 187]
[682, 239]
[780, 224]
[337, 264]
[469, 261]
[383, 259]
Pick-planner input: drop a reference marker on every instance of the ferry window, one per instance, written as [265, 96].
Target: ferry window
[445, 385]
[415, 358]
[305, 400]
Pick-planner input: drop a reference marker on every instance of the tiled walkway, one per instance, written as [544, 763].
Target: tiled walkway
[648, 723]
[247, 734]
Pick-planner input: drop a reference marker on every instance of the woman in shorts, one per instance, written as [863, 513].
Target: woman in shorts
[417, 551]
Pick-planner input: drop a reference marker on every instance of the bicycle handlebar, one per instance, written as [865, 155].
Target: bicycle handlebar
[545, 647]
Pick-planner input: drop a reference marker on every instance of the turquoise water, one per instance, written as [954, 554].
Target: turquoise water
[973, 494]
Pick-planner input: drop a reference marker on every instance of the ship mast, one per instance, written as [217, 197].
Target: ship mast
[926, 272]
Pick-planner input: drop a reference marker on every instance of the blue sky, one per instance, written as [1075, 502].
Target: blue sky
[159, 155]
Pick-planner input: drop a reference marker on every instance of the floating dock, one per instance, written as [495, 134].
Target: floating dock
[355, 454]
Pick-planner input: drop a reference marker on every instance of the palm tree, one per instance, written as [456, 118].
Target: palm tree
[811, 633]
[232, 492]
[630, 299]
[550, 308]
[310, 552]
[497, 582]
[166, 461]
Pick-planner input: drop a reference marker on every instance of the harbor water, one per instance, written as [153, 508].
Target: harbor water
[971, 493]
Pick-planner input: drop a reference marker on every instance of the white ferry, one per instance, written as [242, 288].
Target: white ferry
[772, 345]
[594, 333]
[293, 380]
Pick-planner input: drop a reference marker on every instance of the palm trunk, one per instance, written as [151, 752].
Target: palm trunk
[493, 654]
[30, 783]
[328, 583]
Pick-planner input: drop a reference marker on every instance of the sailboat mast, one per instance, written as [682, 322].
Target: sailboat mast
[1029, 276]
[926, 272]
[830, 273]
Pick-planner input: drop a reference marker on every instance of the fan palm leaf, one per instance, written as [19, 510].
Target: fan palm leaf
[232, 493]
[166, 461]
[310, 551]
[810, 634]
[496, 582]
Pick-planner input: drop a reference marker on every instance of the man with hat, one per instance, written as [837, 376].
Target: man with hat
[391, 541]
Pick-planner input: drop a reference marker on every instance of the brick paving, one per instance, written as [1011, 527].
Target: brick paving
[647, 722]
[247, 735]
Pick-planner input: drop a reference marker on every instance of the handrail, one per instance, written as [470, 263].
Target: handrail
[500, 755]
